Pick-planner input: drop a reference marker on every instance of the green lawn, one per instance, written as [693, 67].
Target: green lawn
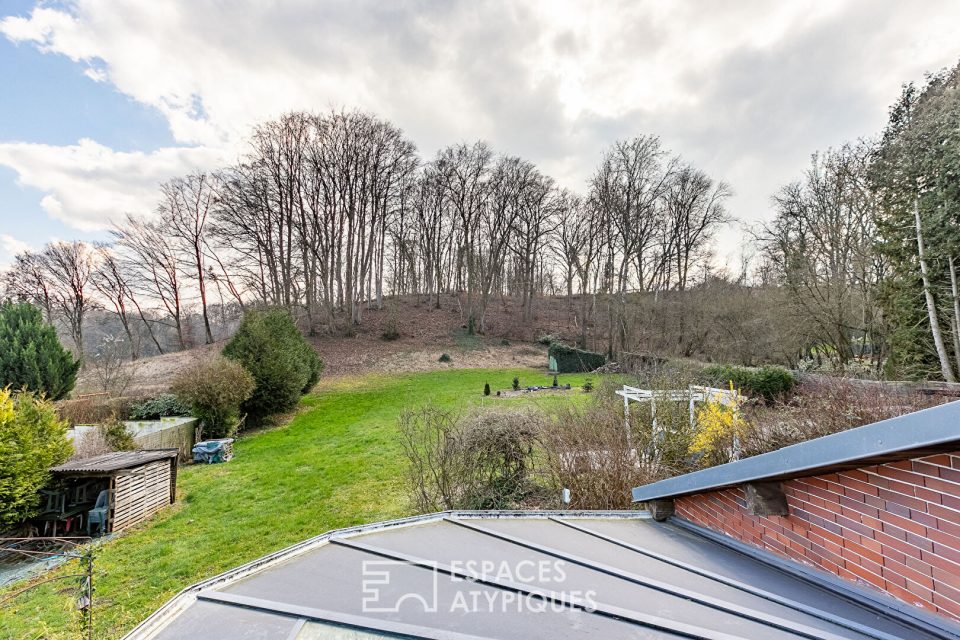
[337, 463]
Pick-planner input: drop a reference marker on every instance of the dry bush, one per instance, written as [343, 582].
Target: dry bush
[110, 435]
[91, 444]
[215, 389]
[481, 460]
[586, 450]
[110, 367]
[95, 409]
[590, 451]
[824, 406]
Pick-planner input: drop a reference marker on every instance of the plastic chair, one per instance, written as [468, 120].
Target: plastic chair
[98, 515]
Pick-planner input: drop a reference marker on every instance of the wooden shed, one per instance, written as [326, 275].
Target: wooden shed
[140, 483]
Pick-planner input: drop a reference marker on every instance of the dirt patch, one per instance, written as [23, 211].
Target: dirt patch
[152, 376]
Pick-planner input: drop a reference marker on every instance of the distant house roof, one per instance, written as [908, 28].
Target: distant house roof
[554, 575]
[912, 435]
[115, 461]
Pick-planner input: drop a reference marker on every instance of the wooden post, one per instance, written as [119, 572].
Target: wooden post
[626, 421]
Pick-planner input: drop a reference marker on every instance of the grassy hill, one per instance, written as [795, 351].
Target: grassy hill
[337, 463]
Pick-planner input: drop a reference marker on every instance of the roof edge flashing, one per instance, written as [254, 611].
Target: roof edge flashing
[933, 427]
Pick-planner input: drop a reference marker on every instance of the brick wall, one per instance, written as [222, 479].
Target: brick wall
[894, 527]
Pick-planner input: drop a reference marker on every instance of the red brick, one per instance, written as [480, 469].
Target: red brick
[908, 501]
[902, 570]
[909, 597]
[902, 523]
[943, 486]
[902, 476]
[951, 475]
[925, 468]
[941, 459]
[861, 574]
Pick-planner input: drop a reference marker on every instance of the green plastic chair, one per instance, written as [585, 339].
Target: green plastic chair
[98, 515]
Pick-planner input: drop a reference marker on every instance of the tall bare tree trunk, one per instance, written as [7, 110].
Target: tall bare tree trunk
[945, 367]
[956, 311]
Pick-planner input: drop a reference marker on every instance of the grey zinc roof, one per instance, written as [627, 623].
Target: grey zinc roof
[912, 435]
[114, 461]
[547, 575]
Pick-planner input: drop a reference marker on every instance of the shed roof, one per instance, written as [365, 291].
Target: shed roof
[469, 575]
[115, 461]
[912, 435]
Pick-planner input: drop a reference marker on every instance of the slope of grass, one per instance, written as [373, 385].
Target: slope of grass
[337, 463]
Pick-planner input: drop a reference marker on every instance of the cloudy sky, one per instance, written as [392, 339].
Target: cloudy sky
[100, 100]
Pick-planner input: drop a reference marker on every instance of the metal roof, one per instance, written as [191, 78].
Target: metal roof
[559, 575]
[912, 435]
[115, 461]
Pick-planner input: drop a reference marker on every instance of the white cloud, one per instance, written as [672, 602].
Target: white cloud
[10, 247]
[88, 184]
[746, 89]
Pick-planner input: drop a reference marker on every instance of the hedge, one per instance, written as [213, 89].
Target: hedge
[571, 360]
[767, 382]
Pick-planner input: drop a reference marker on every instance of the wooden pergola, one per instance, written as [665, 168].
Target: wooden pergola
[691, 395]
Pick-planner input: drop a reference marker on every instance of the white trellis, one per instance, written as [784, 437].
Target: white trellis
[691, 395]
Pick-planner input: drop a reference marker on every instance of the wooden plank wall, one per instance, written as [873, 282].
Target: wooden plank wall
[140, 493]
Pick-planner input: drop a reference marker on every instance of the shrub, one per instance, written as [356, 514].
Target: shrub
[444, 357]
[31, 355]
[116, 435]
[95, 409]
[161, 406]
[32, 439]
[768, 383]
[548, 339]
[586, 449]
[486, 388]
[824, 406]
[719, 432]
[570, 360]
[478, 461]
[391, 328]
[516, 383]
[588, 385]
[283, 365]
[215, 390]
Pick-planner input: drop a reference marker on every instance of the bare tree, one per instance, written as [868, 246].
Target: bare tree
[68, 267]
[26, 280]
[152, 260]
[695, 210]
[821, 244]
[110, 281]
[185, 207]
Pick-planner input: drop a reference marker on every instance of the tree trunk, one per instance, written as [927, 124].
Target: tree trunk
[945, 367]
[956, 311]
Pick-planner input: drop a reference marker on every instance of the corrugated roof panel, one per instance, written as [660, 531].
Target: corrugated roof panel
[114, 461]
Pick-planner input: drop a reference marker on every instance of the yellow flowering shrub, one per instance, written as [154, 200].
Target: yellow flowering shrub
[720, 427]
